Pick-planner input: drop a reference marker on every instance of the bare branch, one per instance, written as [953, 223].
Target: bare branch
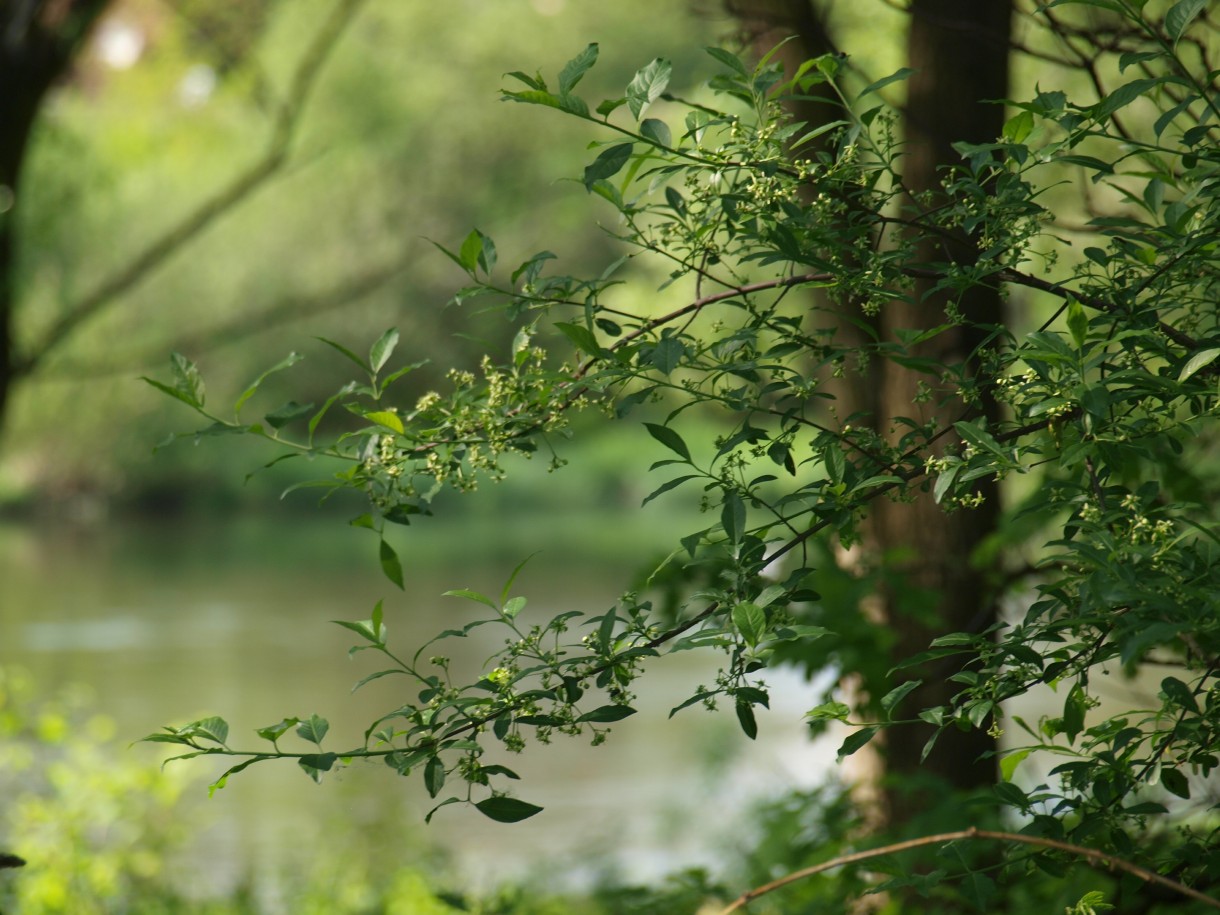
[1092, 855]
[286, 122]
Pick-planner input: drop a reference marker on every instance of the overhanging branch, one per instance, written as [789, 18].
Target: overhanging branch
[287, 121]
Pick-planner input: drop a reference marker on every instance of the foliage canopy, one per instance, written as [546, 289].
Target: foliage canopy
[1104, 371]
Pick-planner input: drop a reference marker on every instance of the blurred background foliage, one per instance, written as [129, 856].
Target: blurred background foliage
[402, 142]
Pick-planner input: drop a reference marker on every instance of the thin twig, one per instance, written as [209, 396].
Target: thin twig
[1091, 854]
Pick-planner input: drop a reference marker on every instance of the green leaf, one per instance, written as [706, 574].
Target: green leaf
[670, 439]
[1199, 360]
[576, 68]
[213, 728]
[584, 339]
[474, 596]
[980, 438]
[750, 621]
[391, 565]
[1179, 694]
[610, 105]
[1008, 765]
[289, 412]
[944, 482]
[383, 349]
[1074, 707]
[386, 418]
[667, 354]
[1078, 322]
[363, 628]
[733, 516]
[890, 700]
[657, 131]
[187, 379]
[855, 741]
[434, 776]
[513, 606]
[478, 252]
[314, 764]
[608, 163]
[1181, 15]
[1018, 127]
[732, 61]
[232, 770]
[291, 360]
[899, 74]
[507, 809]
[745, 717]
[606, 714]
[339, 347]
[1120, 98]
[274, 732]
[313, 730]
[1175, 783]
[829, 711]
[647, 85]
[666, 487]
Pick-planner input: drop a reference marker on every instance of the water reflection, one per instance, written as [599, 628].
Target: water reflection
[167, 625]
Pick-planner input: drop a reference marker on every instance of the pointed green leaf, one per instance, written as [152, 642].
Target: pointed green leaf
[606, 714]
[750, 621]
[391, 565]
[745, 717]
[666, 487]
[291, 360]
[1199, 360]
[855, 741]
[732, 61]
[647, 85]
[576, 68]
[213, 728]
[609, 162]
[313, 730]
[1181, 15]
[472, 595]
[733, 516]
[891, 699]
[584, 339]
[434, 776]
[314, 764]
[669, 438]
[386, 418]
[274, 732]
[187, 378]
[382, 349]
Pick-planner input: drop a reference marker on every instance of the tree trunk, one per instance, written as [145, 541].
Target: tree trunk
[38, 40]
[959, 50]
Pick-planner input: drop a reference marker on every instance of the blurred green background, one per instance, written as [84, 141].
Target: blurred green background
[142, 588]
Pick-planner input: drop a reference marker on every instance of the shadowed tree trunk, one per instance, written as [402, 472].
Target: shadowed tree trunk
[38, 40]
[959, 50]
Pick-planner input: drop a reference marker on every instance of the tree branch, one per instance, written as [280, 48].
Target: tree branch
[1094, 856]
[284, 128]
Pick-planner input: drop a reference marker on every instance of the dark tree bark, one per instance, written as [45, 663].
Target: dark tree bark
[959, 50]
[38, 40]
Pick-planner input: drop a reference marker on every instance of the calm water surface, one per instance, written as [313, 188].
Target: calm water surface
[168, 623]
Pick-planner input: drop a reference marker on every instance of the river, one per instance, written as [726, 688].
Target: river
[167, 622]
